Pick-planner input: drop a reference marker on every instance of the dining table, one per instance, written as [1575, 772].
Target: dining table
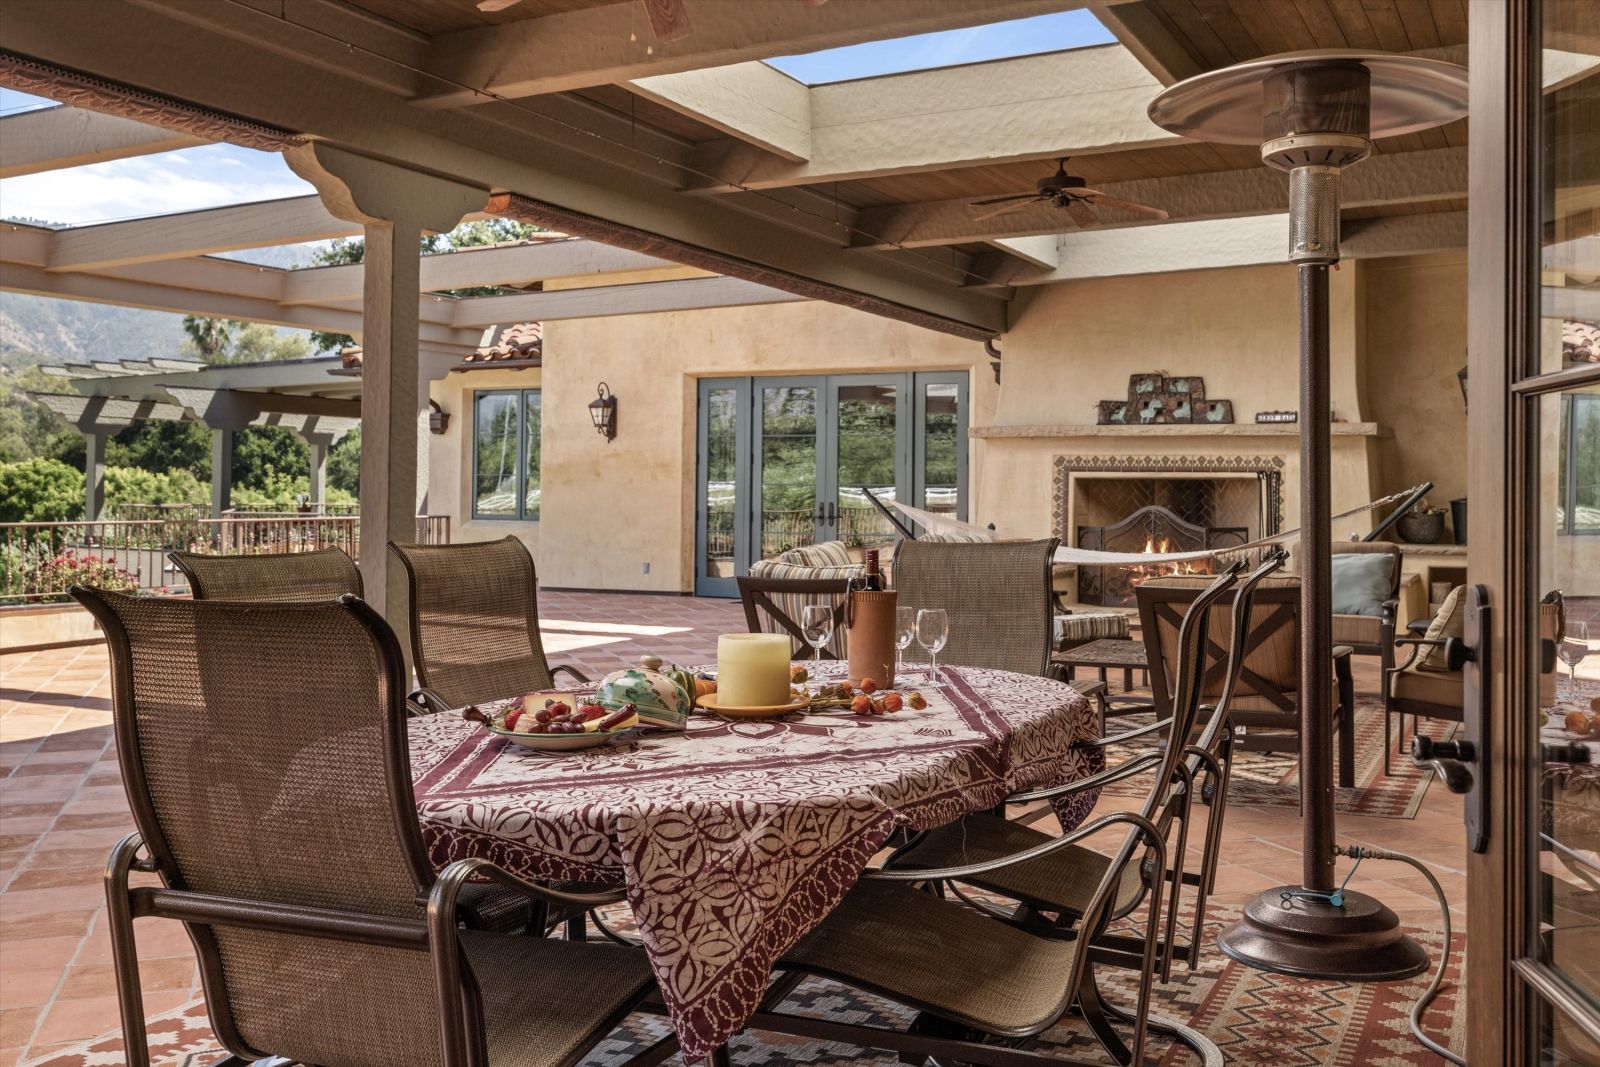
[733, 838]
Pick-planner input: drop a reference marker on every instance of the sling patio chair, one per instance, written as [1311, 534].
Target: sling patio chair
[318, 577]
[475, 623]
[263, 750]
[995, 594]
[1062, 882]
[1266, 708]
[282, 577]
[986, 987]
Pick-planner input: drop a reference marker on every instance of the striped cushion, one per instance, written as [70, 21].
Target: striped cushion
[826, 554]
[790, 604]
[1094, 626]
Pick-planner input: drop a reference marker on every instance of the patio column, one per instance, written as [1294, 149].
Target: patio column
[319, 472]
[396, 207]
[221, 470]
[94, 474]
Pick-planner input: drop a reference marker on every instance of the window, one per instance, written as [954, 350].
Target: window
[1578, 473]
[505, 455]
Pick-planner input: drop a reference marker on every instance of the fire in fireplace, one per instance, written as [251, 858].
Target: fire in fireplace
[1153, 530]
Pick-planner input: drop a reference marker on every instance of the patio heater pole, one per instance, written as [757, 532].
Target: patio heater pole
[1314, 114]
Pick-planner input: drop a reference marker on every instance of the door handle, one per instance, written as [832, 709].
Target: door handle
[1463, 763]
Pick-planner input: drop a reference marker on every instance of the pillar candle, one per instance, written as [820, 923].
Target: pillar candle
[753, 670]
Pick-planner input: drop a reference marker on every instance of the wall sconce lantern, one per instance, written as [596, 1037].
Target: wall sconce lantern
[438, 421]
[603, 412]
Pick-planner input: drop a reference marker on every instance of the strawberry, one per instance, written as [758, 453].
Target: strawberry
[512, 717]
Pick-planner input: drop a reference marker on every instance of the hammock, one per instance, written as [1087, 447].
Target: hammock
[933, 522]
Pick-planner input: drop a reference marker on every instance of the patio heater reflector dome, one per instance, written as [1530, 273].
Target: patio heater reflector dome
[1314, 114]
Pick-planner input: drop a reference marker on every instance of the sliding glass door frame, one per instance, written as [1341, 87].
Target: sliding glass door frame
[742, 389]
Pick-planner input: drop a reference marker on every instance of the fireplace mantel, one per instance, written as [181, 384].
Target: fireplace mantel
[1283, 430]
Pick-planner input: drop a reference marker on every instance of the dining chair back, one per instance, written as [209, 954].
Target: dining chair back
[284, 577]
[995, 595]
[775, 605]
[263, 748]
[475, 621]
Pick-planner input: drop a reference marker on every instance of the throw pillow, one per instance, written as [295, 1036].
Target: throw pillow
[823, 554]
[1450, 622]
[1361, 582]
[791, 604]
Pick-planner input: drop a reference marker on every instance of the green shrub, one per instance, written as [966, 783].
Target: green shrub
[40, 490]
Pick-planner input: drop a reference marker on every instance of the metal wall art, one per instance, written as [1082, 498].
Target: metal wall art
[1158, 398]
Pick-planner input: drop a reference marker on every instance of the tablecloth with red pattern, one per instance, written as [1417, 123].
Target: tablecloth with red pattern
[733, 839]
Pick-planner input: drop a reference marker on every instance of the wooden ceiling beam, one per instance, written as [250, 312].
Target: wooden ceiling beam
[1142, 31]
[602, 301]
[755, 103]
[614, 43]
[1072, 103]
[1408, 177]
[54, 138]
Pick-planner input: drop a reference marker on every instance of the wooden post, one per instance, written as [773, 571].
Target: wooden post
[94, 474]
[221, 470]
[396, 207]
[318, 487]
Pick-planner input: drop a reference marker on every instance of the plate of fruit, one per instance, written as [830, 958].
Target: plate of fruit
[556, 722]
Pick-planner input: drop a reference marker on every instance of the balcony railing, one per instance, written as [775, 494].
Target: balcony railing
[39, 561]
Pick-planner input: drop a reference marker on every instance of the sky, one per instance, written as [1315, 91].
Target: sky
[214, 175]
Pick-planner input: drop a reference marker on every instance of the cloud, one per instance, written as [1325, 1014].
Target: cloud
[185, 180]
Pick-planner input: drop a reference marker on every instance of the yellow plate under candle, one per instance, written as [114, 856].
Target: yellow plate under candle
[709, 703]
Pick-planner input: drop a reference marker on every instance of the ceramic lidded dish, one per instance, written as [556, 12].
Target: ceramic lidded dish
[660, 701]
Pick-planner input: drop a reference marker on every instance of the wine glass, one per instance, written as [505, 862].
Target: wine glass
[1574, 647]
[905, 631]
[933, 630]
[816, 623]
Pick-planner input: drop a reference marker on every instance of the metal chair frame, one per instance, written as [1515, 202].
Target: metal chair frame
[1144, 835]
[756, 595]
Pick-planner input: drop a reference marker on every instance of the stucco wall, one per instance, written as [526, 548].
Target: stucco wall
[614, 507]
[1416, 341]
[608, 509]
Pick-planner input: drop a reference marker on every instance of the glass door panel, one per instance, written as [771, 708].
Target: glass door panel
[866, 450]
[940, 463]
[788, 467]
[1565, 833]
[721, 540]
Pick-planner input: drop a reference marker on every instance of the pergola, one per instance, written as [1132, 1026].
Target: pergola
[660, 152]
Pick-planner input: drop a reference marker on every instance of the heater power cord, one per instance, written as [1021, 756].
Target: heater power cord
[1361, 852]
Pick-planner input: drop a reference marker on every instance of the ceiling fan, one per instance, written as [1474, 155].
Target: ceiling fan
[1070, 192]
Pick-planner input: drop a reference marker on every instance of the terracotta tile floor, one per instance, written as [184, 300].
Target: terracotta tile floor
[62, 807]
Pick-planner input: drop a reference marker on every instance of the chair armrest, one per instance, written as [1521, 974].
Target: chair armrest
[576, 674]
[1147, 830]
[1343, 652]
[1094, 781]
[1417, 644]
[424, 701]
[1128, 735]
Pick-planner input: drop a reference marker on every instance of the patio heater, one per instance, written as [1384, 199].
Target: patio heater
[1314, 114]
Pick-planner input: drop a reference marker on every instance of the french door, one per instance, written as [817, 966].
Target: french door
[783, 461]
[1534, 551]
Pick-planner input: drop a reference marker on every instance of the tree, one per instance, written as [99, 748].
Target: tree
[40, 490]
[262, 452]
[259, 343]
[210, 338]
[163, 446]
[344, 464]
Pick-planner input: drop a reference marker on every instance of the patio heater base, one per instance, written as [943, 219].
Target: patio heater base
[1360, 942]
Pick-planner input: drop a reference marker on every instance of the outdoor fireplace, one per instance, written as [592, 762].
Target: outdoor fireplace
[1157, 512]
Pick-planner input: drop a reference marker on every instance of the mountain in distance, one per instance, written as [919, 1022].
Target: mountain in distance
[39, 329]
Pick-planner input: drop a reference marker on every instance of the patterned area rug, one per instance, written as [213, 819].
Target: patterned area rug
[1272, 779]
[1259, 1020]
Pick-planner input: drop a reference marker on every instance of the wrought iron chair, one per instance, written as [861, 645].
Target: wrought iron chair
[1267, 706]
[280, 577]
[1062, 883]
[997, 597]
[475, 623]
[771, 604]
[263, 749]
[986, 986]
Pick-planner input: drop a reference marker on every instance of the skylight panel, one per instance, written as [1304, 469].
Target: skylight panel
[947, 48]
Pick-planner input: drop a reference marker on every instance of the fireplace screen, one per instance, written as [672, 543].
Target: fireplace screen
[1152, 529]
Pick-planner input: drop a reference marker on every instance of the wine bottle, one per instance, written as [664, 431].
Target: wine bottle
[874, 577]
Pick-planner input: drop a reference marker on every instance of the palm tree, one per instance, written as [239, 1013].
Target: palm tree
[211, 336]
